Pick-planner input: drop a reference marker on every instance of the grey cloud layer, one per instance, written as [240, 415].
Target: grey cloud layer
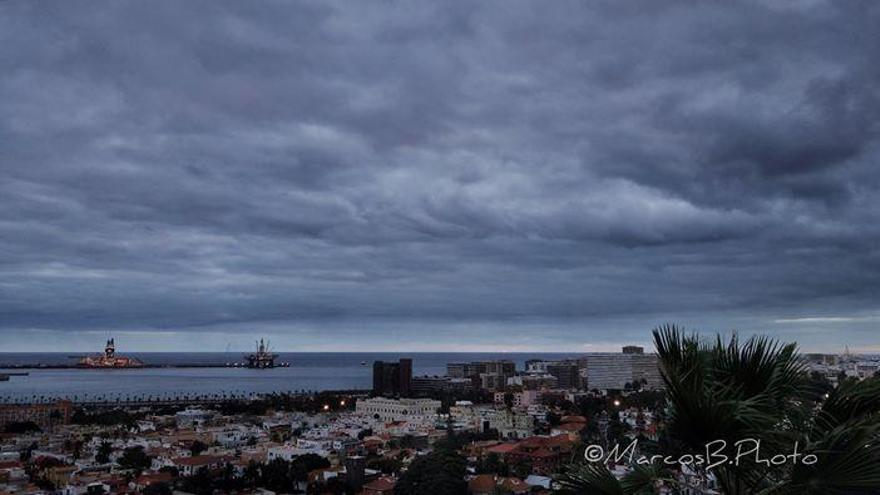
[188, 165]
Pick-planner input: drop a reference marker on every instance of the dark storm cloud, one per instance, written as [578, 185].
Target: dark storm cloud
[541, 172]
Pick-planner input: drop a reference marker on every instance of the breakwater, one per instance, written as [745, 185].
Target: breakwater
[41, 366]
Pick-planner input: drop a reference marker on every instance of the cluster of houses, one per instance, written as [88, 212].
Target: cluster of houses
[72, 459]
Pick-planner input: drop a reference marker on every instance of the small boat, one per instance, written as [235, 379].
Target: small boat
[363, 363]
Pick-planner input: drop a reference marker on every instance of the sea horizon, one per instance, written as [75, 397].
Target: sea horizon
[166, 374]
[311, 371]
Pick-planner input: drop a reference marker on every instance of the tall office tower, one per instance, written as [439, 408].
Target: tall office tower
[405, 377]
[502, 367]
[390, 379]
[567, 374]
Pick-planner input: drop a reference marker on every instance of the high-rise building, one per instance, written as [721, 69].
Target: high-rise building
[405, 376]
[502, 367]
[466, 370]
[533, 381]
[567, 374]
[614, 371]
[537, 366]
[425, 385]
[392, 379]
[490, 375]
[493, 381]
[646, 371]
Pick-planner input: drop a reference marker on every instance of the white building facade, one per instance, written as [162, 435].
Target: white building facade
[398, 409]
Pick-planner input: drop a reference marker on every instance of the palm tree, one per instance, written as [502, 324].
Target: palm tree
[756, 389]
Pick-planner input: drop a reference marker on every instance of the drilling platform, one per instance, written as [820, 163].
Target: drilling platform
[263, 358]
[109, 359]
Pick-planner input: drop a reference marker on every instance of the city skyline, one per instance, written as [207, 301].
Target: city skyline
[237, 342]
[454, 177]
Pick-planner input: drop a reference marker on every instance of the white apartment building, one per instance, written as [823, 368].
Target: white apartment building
[291, 451]
[192, 417]
[398, 409]
[533, 382]
[231, 437]
[609, 370]
[522, 399]
[482, 418]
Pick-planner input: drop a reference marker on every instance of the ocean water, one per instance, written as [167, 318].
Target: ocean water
[307, 371]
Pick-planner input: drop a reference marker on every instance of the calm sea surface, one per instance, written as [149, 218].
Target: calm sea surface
[307, 371]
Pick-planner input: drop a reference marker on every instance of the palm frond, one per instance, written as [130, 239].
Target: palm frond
[757, 388]
[593, 478]
[643, 479]
[847, 461]
[851, 400]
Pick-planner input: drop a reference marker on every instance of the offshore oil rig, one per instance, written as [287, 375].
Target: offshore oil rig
[263, 358]
[109, 359]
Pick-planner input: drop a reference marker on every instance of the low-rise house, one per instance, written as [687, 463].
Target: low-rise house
[12, 471]
[542, 454]
[187, 466]
[60, 475]
[536, 481]
[384, 485]
[146, 480]
[483, 484]
[144, 426]
[231, 437]
[190, 418]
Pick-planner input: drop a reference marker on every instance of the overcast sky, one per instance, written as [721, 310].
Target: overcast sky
[437, 176]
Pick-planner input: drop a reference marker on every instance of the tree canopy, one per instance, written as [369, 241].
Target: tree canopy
[440, 473]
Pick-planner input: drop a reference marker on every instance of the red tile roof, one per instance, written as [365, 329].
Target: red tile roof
[382, 484]
[502, 448]
[533, 442]
[482, 483]
[573, 419]
[151, 478]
